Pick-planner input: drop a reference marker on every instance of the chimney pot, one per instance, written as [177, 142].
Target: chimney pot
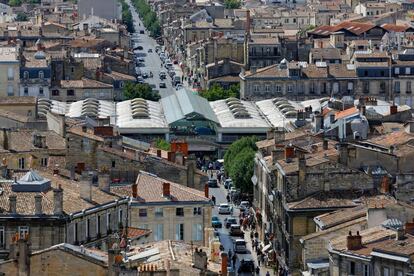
[166, 189]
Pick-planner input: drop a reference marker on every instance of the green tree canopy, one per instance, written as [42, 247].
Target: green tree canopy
[162, 144]
[148, 17]
[15, 3]
[216, 92]
[232, 4]
[239, 163]
[140, 90]
[127, 17]
[21, 17]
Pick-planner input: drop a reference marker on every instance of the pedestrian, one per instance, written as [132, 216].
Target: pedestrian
[254, 245]
[234, 259]
[230, 254]
[257, 270]
[258, 260]
[228, 198]
[213, 198]
[251, 235]
[268, 273]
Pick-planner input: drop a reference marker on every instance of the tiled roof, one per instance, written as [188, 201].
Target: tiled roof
[325, 53]
[119, 76]
[323, 200]
[83, 83]
[347, 112]
[331, 219]
[150, 188]
[17, 100]
[269, 71]
[392, 139]
[136, 233]
[396, 28]
[21, 140]
[356, 221]
[341, 71]
[404, 247]
[72, 202]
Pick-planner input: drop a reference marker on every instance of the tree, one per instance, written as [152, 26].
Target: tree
[148, 17]
[15, 3]
[239, 163]
[216, 92]
[139, 90]
[162, 144]
[127, 17]
[21, 17]
[232, 4]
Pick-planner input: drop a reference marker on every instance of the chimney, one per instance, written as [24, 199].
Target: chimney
[277, 154]
[38, 205]
[158, 153]
[191, 166]
[135, 190]
[409, 227]
[410, 127]
[279, 135]
[224, 263]
[289, 152]
[325, 144]
[353, 242]
[318, 122]
[302, 170]
[400, 234]
[179, 158]
[166, 189]
[114, 259]
[206, 191]
[104, 182]
[13, 204]
[5, 139]
[85, 186]
[385, 185]
[393, 109]
[343, 154]
[58, 201]
[84, 128]
[23, 256]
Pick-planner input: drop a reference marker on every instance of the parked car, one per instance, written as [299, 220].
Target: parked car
[239, 246]
[235, 230]
[140, 79]
[141, 59]
[216, 223]
[225, 208]
[145, 75]
[178, 86]
[140, 64]
[244, 206]
[163, 85]
[139, 48]
[228, 183]
[246, 265]
[212, 183]
[229, 221]
[141, 31]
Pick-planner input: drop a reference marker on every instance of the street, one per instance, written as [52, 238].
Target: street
[225, 239]
[152, 60]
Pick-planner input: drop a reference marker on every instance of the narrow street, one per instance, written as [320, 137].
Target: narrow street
[226, 240]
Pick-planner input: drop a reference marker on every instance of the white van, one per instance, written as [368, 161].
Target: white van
[240, 246]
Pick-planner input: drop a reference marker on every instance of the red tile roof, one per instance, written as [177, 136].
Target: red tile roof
[136, 233]
[395, 28]
[346, 113]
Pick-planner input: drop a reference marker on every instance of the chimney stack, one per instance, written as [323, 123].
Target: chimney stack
[302, 169]
[400, 234]
[325, 144]
[135, 190]
[23, 256]
[289, 151]
[13, 204]
[85, 186]
[38, 205]
[166, 189]
[279, 135]
[353, 242]
[58, 201]
[409, 227]
[318, 122]
[393, 109]
[104, 181]
[277, 154]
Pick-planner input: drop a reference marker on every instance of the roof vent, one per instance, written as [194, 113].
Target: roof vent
[31, 182]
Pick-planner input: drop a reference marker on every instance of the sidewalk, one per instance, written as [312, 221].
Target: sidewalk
[263, 269]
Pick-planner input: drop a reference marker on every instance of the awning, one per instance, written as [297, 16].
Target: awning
[266, 248]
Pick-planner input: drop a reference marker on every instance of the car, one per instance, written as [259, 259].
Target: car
[212, 183]
[246, 265]
[235, 230]
[229, 221]
[145, 75]
[228, 183]
[141, 59]
[175, 61]
[140, 79]
[141, 31]
[178, 86]
[216, 223]
[239, 246]
[139, 48]
[149, 50]
[244, 206]
[225, 208]
[140, 64]
[163, 85]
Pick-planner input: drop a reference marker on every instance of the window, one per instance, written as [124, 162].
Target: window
[70, 92]
[2, 236]
[113, 164]
[72, 69]
[398, 273]
[108, 221]
[397, 87]
[197, 211]
[41, 91]
[142, 213]
[25, 75]
[10, 73]
[408, 86]
[407, 70]
[21, 163]
[43, 161]
[352, 268]
[87, 227]
[159, 232]
[10, 90]
[120, 214]
[179, 212]
[365, 87]
[289, 88]
[350, 86]
[23, 231]
[278, 88]
[385, 271]
[159, 212]
[55, 92]
[197, 234]
[98, 225]
[179, 232]
[382, 87]
[397, 70]
[324, 88]
[75, 232]
[267, 88]
[382, 73]
[41, 75]
[121, 84]
[26, 90]
[365, 270]
[256, 88]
